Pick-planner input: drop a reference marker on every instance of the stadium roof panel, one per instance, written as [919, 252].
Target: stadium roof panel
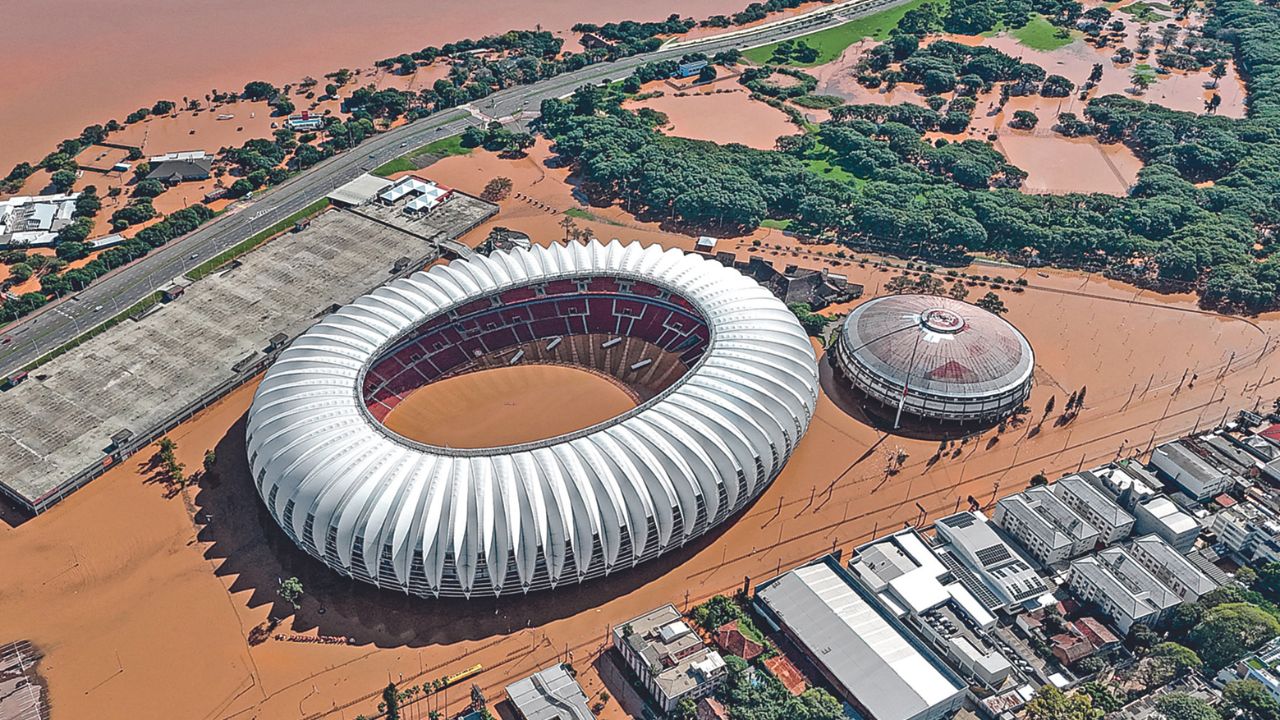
[446, 521]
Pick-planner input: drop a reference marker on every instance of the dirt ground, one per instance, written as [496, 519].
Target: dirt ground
[507, 406]
[144, 596]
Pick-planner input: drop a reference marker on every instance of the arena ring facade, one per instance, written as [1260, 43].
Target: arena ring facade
[728, 379]
[937, 358]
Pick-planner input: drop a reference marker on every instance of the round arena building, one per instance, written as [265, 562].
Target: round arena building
[935, 358]
[724, 382]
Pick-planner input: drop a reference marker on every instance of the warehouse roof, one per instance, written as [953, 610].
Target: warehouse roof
[870, 655]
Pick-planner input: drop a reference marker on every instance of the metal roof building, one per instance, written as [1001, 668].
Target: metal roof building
[439, 521]
[550, 694]
[936, 358]
[865, 652]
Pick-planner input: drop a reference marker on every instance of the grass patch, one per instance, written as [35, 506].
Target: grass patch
[818, 102]
[580, 214]
[1146, 11]
[831, 42]
[444, 147]
[1040, 34]
[133, 311]
[207, 267]
[776, 224]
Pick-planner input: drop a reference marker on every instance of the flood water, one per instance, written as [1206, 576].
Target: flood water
[72, 63]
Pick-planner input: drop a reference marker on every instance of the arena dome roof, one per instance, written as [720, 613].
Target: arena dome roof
[437, 521]
[937, 349]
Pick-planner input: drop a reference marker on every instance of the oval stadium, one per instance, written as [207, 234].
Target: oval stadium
[724, 381]
[935, 358]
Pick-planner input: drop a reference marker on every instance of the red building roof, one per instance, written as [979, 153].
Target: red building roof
[1095, 632]
[731, 640]
[710, 708]
[786, 672]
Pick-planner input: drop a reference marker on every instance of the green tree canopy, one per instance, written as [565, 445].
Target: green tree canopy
[1228, 631]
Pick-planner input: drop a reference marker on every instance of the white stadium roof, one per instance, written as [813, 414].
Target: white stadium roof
[436, 521]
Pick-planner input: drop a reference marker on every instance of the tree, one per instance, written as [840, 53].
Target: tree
[1140, 638]
[1167, 662]
[707, 74]
[812, 322]
[210, 461]
[1217, 72]
[1230, 630]
[1247, 576]
[1024, 120]
[390, 699]
[148, 189]
[1183, 706]
[1142, 77]
[1050, 704]
[1039, 480]
[1249, 700]
[20, 272]
[62, 180]
[497, 189]
[291, 592]
[958, 290]
[992, 303]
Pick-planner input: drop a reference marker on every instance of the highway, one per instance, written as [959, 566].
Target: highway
[62, 321]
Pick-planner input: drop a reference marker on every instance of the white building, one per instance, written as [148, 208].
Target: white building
[1125, 590]
[1045, 525]
[1250, 531]
[1125, 480]
[990, 568]
[908, 580]
[1194, 473]
[668, 657]
[1171, 567]
[34, 220]
[1096, 507]
[871, 659]
[1160, 516]
[422, 195]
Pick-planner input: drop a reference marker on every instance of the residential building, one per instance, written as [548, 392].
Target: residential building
[1171, 567]
[1191, 469]
[988, 566]
[709, 708]
[670, 659]
[1096, 507]
[871, 658]
[1045, 526]
[1250, 531]
[1125, 480]
[732, 641]
[1160, 516]
[550, 694]
[179, 167]
[1118, 584]
[1264, 666]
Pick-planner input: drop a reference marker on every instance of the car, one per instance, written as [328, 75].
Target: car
[194, 255]
[373, 157]
[6, 341]
[96, 309]
[403, 144]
